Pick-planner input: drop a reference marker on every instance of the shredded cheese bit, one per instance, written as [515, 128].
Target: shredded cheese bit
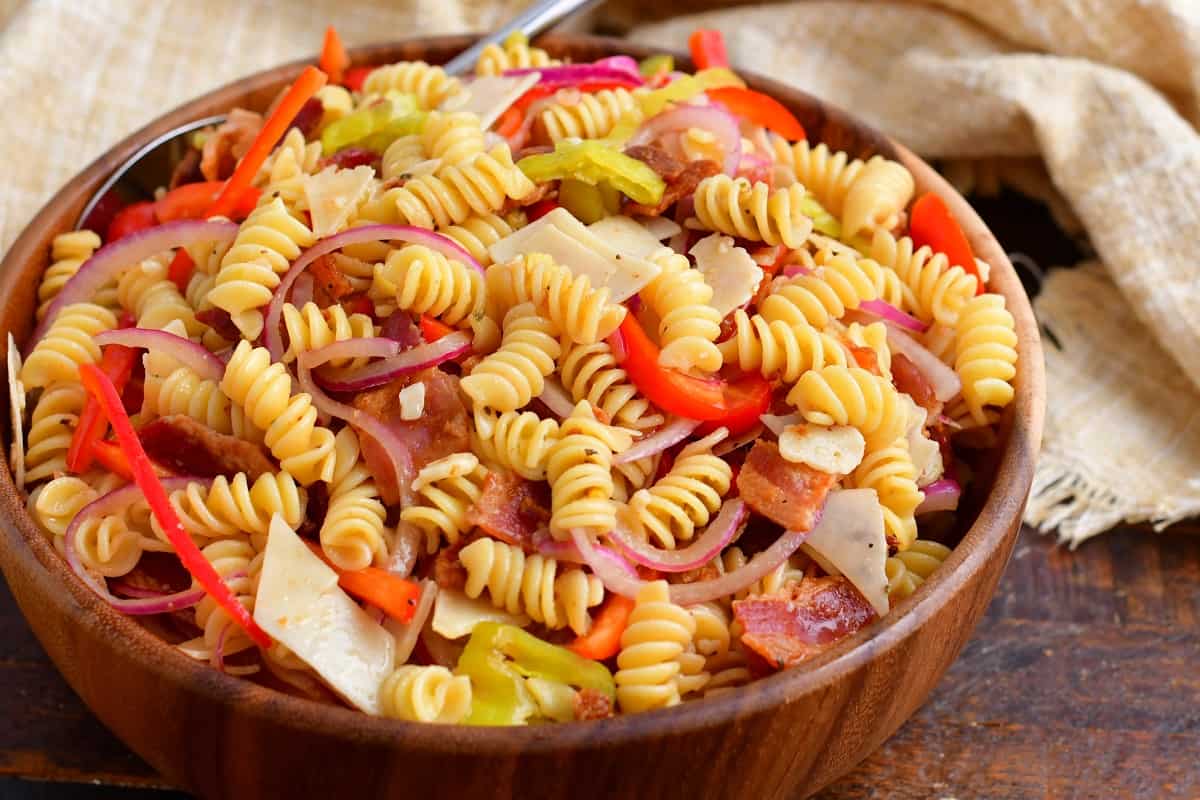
[412, 402]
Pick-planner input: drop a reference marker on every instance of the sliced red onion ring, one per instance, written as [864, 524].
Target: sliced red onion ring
[670, 434]
[107, 262]
[366, 233]
[117, 501]
[945, 381]
[395, 360]
[302, 291]
[792, 270]
[577, 74]
[129, 590]
[707, 545]
[889, 313]
[714, 119]
[776, 423]
[548, 546]
[192, 355]
[941, 495]
[555, 398]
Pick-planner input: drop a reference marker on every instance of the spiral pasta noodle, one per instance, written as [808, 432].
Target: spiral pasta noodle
[789, 572]
[532, 585]
[584, 314]
[282, 176]
[264, 391]
[231, 558]
[592, 115]
[840, 285]
[401, 157]
[353, 534]
[516, 441]
[648, 667]
[51, 429]
[826, 173]
[985, 354]
[891, 473]
[934, 291]
[874, 338]
[877, 197]
[426, 282]
[908, 569]
[266, 244]
[67, 254]
[778, 349]
[579, 470]
[425, 694]
[516, 53]
[428, 84]
[154, 300]
[837, 395]
[69, 343]
[232, 508]
[590, 372]
[513, 375]
[688, 324]
[56, 503]
[446, 489]
[454, 193]
[736, 207]
[686, 497]
[479, 232]
[452, 137]
[310, 328]
[106, 545]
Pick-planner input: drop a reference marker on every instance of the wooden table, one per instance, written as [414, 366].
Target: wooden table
[1082, 681]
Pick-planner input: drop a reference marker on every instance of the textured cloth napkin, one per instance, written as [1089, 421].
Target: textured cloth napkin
[1104, 93]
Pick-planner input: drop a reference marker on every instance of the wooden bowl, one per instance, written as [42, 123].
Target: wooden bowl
[785, 736]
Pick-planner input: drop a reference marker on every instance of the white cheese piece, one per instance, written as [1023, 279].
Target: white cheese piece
[925, 453]
[412, 401]
[660, 228]
[729, 270]
[300, 604]
[490, 96]
[16, 412]
[334, 194]
[569, 242]
[836, 450]
[627, 235]
[455, 615]
[849, 540]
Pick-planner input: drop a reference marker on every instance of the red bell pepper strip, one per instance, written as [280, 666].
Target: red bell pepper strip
[276, 125]
[355, 77]
[433, 329]
[112, 458]
[333, 56]
[192, 200]
[759, 108]
[510, 122]
[931, 223]
[541, 208]
[131, 219]
[708, 48]
[117, 364]
[604, 639]
[359, 304]
[395, 596]
[101, 388]
[181, 269]
[736, 405]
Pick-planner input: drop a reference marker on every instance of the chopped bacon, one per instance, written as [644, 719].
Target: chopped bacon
[440, 431]
[791, 495]
[228, 143]
[219, 320]
[591, 704]
[448, 571]
[684, 185]
[539, 193]
[401, 327]
[866, 358]
[188, 447]
[800, 621]
[352, 157]
[330, 283]
[511, 508]
[666, 165]
[910, 380]
[706, 572]
[308, 118]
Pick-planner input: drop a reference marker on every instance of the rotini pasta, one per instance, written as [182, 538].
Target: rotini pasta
[838, 286]
[513, 375]
[154, 300]
[837, 395]
[985, 354]
[232, 508]
[515, 54]
[686, 497]
[778, 349]
[584, 314]
[446, 490]
[688, 324]
[426, 282]
[310, 328]
[477, 233]
[579, 469]
[736, 207]
[454, 193]
[425, 694]
[452, 138]
[516, 441]
[591, 115]
[890, 472]
[67, 255]
[51, 429]
[648, 667]
[353, 534]
[590, 372]
[428, 84]
[933, 290]
[910, 568]
[877, 197]
[69, 343]
[827, 174]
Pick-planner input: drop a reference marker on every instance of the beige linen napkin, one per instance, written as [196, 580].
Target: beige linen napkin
[1101, 91]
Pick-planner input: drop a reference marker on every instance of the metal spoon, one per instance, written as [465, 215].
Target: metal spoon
[143, 171]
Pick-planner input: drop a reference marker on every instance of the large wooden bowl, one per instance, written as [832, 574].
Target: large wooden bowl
[785, 736]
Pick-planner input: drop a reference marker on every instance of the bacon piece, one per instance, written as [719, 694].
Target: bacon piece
[866, 358]
[401, 327]
[511, 508]
[791, 495]
[909, 379]
[187, 447]
[800, 621]
[219, 320]
[684, 185]
[448, 571]
[353, 157]
[187, 170]
[591, 704]
[666, 165]
[706, 572]
[537, 194]
[225, 146]
[440, 431]
[330, 283]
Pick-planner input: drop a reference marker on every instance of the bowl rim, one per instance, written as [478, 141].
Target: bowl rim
[987, 538]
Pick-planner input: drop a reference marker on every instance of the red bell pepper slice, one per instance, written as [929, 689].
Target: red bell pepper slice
[510, 122]
[603, 641]
[117, 364]
[395, 596]
[761, 109]
[276, 125]
[541, 208]
[736, 405]
[131, 219]
[111, 457]
[708, 48]
[433, 329]
[193, 200]
[101, 388]
[181, 269]
[931, 223]
[355, 77]
[333, 59]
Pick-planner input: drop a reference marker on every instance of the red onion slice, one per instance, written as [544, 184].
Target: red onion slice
[577, 74]
[273, 337]
[670, 434]
[395, 361]
[945, 381]
[708, 544]
[941, 495]
[117, 501]
[192, 355]
[714, 119]
[555, 398]
[889, 313]
[107, 262]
